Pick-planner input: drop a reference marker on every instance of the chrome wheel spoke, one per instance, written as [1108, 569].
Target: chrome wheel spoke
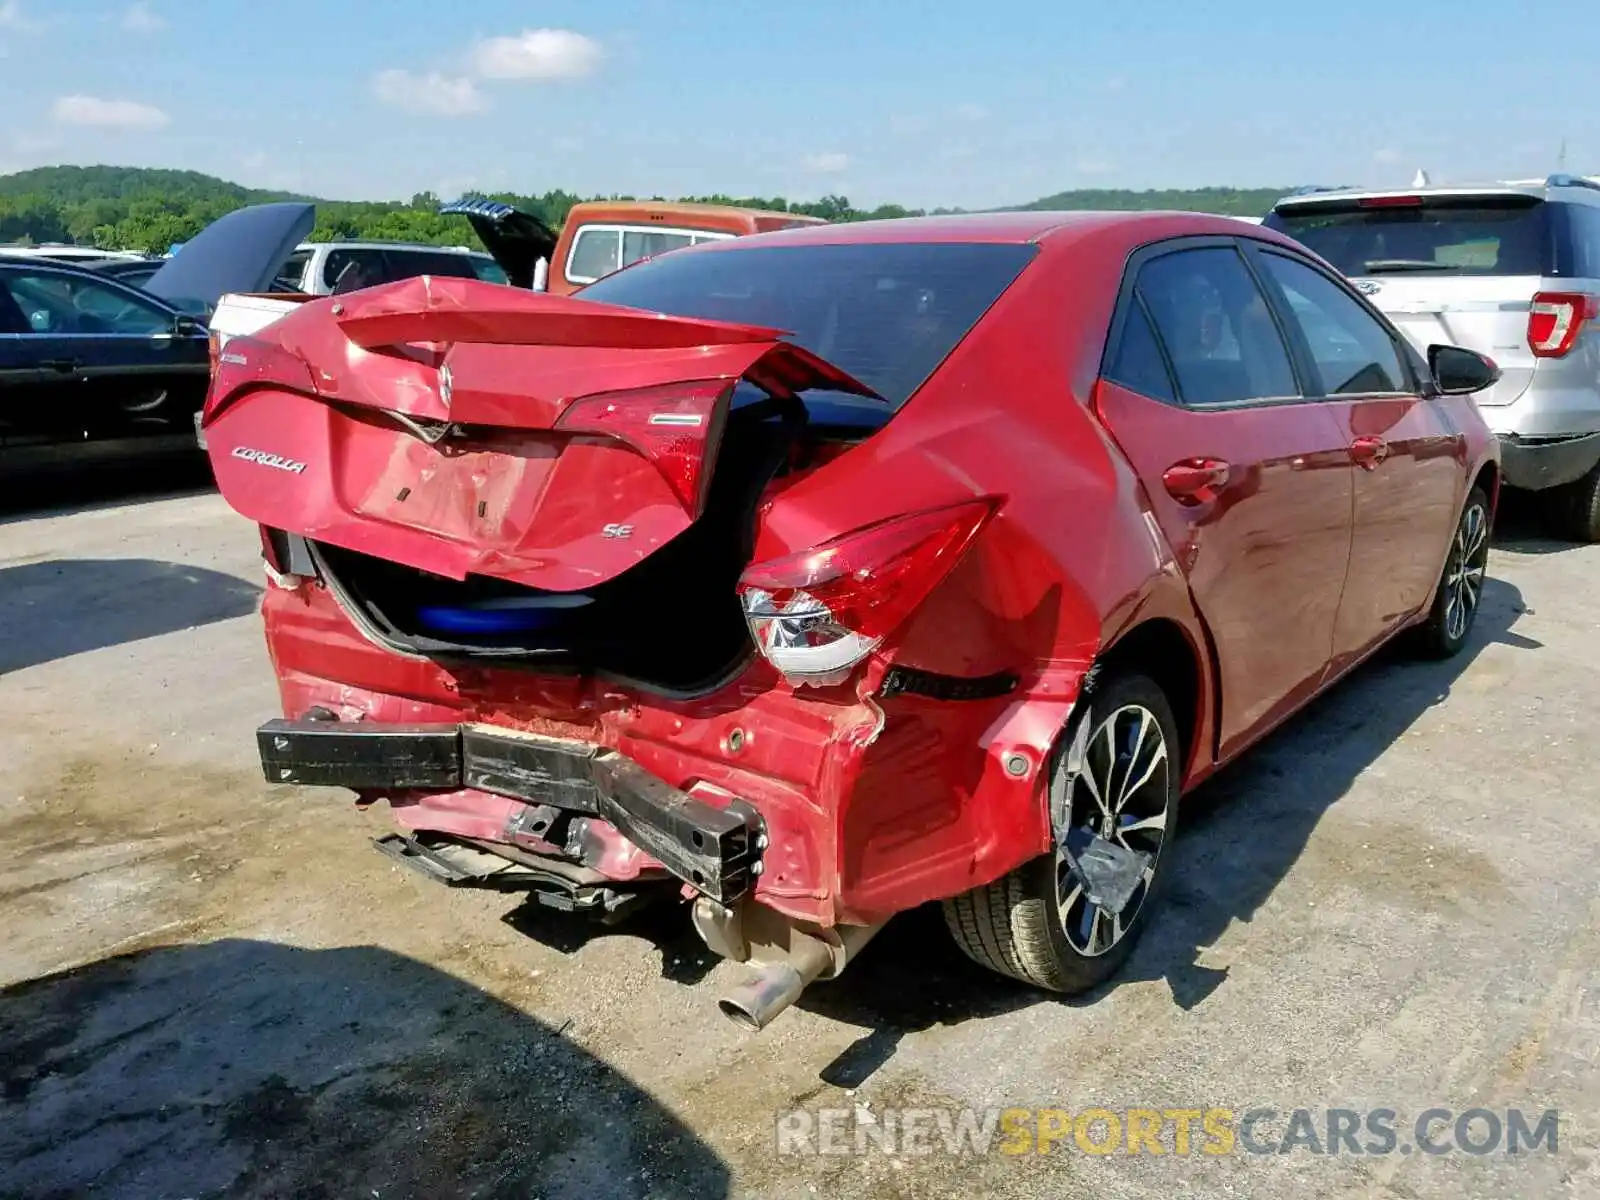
[1157, 823]
[1124, 800]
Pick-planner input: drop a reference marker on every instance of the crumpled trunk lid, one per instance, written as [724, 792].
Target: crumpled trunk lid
[467, 429]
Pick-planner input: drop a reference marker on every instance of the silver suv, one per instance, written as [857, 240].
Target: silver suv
[1511, 270]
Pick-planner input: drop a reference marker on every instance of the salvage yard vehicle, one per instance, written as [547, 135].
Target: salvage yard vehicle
[93, 368]
[323, 268]
[603, 236]
[1511, 270]
[817, 575]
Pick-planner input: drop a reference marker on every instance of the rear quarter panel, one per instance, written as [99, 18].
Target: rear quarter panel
[1071, 561]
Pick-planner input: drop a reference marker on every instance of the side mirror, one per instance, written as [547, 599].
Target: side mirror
[1460, 372]
[187, 326]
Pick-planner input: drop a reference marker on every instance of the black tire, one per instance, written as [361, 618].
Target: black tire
[1017, 925]
[1578, 511]
[1444, 633]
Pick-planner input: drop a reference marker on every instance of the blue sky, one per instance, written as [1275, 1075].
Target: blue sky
[976, 104]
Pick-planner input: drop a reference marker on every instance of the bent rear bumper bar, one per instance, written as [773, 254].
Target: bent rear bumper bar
[716, 850]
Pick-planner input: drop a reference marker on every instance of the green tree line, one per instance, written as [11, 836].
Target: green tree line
[144, 209]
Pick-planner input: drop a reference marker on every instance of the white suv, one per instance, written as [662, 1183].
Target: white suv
[320, 268]
[1511, 270]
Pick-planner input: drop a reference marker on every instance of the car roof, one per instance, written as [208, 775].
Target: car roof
[684, 208]
[378, 244]
[998, 227]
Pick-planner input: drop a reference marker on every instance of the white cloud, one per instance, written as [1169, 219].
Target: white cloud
[108, 114]
[434, 93]
[538, 54]
[829, 163]
[1095, 166]
[140, 18]
[1386, 155]
[971, 112]
[1117, 83]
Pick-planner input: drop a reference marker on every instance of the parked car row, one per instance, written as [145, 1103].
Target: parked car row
[1026, 525]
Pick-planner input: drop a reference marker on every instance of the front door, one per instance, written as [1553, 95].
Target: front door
[1249, 479]
[1407, 453]
[119, 367]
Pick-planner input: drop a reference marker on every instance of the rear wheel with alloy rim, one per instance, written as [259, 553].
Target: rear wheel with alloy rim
[1460, 594]
[1067, 920]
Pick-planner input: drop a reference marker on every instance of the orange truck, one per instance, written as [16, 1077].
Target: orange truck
[602, 236]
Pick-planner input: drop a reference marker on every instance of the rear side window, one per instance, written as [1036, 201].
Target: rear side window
[1353, 353]
[647, 243]
[1583, 234]
[595, 254]
[886, 313]
[348, 270]
[1474, 235]
[407, 264]
[1137, 364]
[1218, 331]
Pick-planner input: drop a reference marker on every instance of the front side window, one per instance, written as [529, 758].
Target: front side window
[68, 304]
[1218, 331]
[1354, 354]
[294, 270]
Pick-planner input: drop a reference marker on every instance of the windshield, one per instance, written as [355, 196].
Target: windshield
[886, 313]
[1477, 235]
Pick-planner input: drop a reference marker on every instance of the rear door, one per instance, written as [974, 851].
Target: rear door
[1409, 455]
[1249, 479]
[24, 391]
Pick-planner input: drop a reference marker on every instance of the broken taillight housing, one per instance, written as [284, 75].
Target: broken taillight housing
[817, 614]
[1556, 321]
[247, 362]
[675, 426]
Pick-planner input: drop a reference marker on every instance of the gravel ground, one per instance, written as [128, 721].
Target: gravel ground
[211, 986]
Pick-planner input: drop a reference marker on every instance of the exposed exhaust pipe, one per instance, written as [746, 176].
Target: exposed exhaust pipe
[775, 986]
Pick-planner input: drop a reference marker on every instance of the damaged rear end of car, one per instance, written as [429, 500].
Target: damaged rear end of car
[579, 588]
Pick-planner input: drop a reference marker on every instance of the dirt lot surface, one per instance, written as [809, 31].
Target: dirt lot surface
[212, 986]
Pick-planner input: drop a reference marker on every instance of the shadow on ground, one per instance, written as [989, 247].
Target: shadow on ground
[246, 1068]
[56, 608]
[1242, 833]
[25, 496]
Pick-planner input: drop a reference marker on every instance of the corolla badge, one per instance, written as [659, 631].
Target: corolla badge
[1368, 287]
[265, 459]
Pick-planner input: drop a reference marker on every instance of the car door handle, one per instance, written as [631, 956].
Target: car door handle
[63, 365]
[1369, 451]
[1196, 480]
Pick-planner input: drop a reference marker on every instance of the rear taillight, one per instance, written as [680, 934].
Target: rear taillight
[1556, 320]
[675, 426]
[817, 614]
[247, 362]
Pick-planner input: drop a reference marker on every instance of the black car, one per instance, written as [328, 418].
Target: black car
[91, 366]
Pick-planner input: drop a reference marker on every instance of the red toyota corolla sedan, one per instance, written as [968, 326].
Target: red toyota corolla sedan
[808, 577]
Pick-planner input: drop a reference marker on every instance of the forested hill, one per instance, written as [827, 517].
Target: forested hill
[141, 208]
